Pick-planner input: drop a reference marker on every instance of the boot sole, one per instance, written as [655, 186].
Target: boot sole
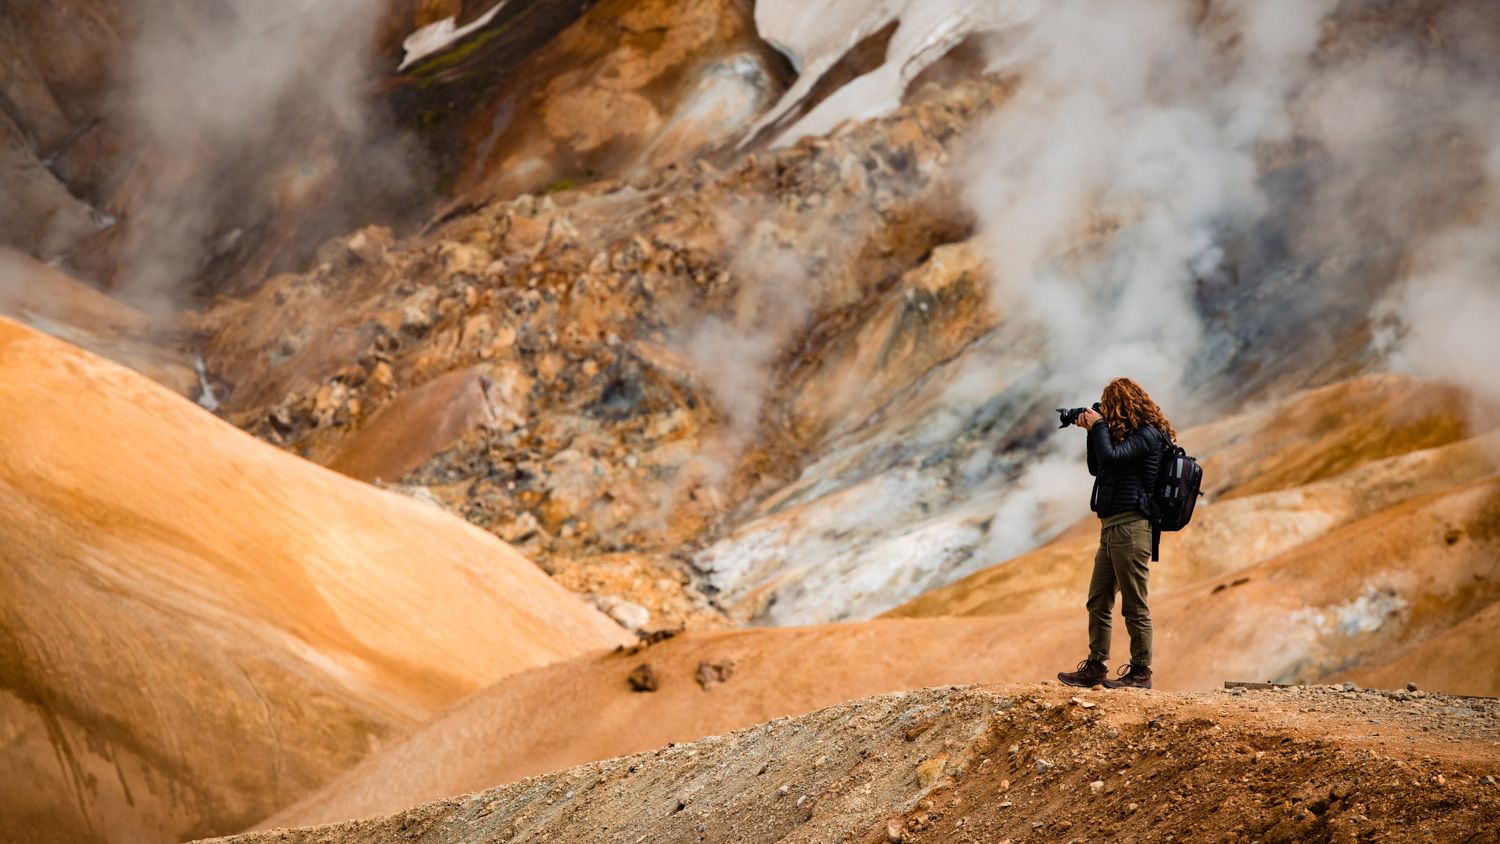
[1079, 684]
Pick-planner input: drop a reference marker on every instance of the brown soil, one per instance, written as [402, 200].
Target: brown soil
[1016, 763]
[1292, 618]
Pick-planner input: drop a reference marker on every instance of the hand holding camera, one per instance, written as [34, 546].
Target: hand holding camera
[1083, 417]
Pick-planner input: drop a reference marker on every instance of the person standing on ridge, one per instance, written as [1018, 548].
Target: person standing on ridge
[1125, 440]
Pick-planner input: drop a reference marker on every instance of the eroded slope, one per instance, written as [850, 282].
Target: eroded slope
[196, 628]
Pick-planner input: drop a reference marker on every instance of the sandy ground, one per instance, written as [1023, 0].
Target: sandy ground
[1287, 618]
[1016, 763]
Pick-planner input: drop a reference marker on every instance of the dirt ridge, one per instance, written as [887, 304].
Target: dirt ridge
[1016, 762]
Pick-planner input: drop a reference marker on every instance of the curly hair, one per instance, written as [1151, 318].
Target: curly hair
[1126, 408]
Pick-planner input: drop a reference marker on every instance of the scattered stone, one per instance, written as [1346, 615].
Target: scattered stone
[1132, 808]
[929, 772]
[711, 674]
[417, 312]
[369, 244]
[1005, 785]
[382, 374]
[1486, 780]
[918, 729]
[629, 615]
[1411, 687]
[893, 831]
[1349, 687]
[643, 678]
[1006, 804]
[478, 333]
[1043, 766]
[1096, 786]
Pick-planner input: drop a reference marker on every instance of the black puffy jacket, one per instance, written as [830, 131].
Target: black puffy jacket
[1123, 471]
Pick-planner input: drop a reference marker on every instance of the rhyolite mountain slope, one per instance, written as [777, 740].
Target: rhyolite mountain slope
[795, 383]
[199, 628]
[728, 314]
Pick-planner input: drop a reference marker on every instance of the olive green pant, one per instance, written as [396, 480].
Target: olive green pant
[1121, 565]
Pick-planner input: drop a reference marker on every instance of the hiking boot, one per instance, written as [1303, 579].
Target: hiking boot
[1091, 672]
[1131, 677]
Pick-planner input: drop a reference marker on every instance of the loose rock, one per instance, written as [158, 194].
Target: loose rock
[643, 678]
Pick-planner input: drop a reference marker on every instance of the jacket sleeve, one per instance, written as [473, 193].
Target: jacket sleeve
[1093, 461]
[1105, 454]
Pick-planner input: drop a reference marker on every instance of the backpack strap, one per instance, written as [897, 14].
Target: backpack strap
[1155, 544]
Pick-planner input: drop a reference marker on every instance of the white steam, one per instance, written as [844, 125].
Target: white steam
[240, 114]
[1102, 188]
[736, 352]
[1215, 199]
[1447, 312]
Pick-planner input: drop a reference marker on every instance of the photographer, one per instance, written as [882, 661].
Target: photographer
[1125, 439]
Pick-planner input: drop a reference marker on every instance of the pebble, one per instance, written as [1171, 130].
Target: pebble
[631, 616]
[1006, 804]
[1411, 687]
[1132, 807]
[893, 832]
[929, 772]
[1096, 786]
[1043, 766]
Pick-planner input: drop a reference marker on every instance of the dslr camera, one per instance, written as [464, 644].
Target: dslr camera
[1070, 415]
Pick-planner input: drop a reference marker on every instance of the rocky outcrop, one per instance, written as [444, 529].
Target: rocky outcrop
[58, 59]
[600, 320]
[631, 87]
[196, 628]
[1010, 762]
